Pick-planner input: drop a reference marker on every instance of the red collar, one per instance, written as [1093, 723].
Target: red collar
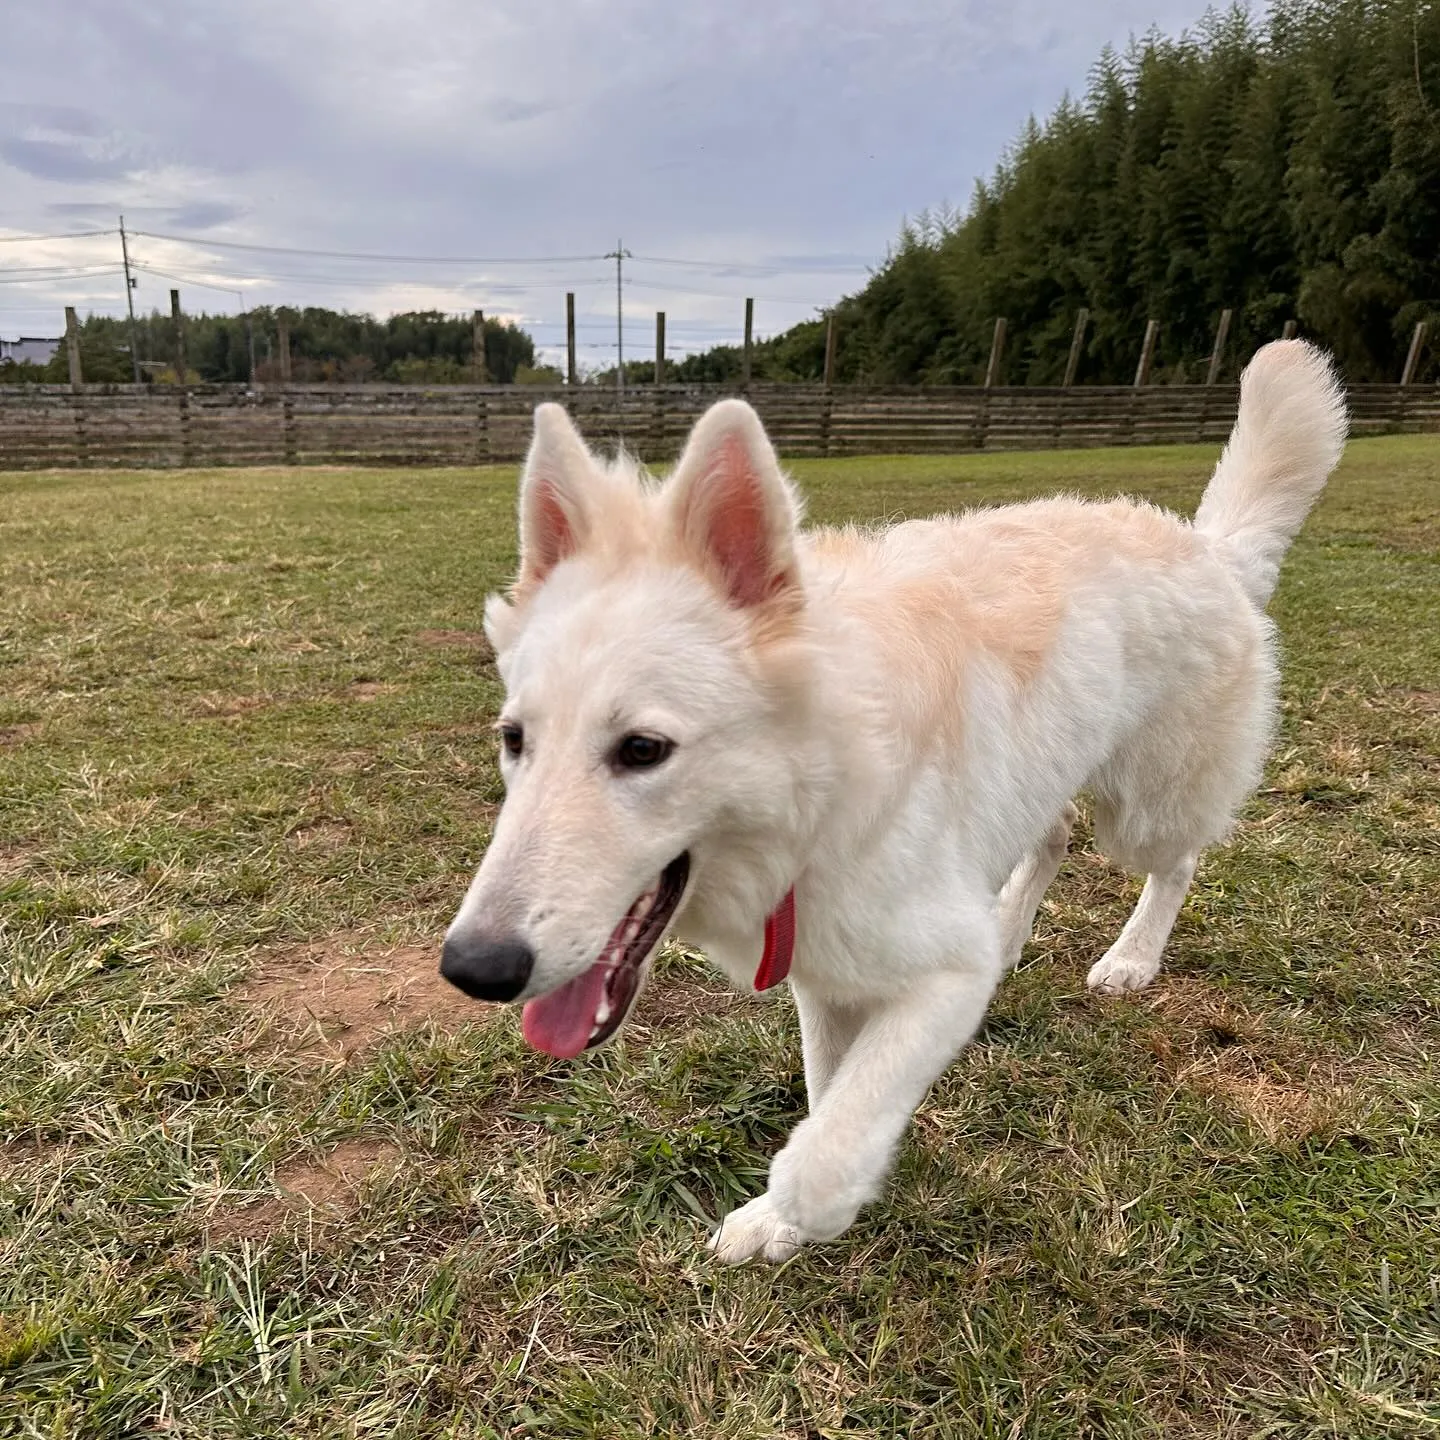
[779, 943]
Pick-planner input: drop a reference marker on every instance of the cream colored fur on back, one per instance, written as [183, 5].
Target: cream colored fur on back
[893, 722]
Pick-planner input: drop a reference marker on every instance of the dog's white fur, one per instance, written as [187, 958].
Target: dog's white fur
[893, 722]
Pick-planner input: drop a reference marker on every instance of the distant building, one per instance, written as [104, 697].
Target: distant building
[30, 350]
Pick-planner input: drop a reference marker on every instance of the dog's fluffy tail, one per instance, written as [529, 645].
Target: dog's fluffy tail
[1287, 439]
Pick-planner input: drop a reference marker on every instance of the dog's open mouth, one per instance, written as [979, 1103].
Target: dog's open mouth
[588, 1010]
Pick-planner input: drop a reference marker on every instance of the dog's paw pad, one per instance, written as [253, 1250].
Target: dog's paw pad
[1116, 974]
[754, 1229]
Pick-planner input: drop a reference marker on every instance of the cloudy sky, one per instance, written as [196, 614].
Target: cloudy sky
[761, 147]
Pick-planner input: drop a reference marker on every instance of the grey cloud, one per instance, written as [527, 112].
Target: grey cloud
[60, 160]
[516, 112]
[201, 215]
[16, 119]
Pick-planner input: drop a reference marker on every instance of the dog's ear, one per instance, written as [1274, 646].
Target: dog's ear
[552, 495]
[733, 508]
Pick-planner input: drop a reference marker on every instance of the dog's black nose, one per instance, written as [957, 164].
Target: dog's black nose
[487, 969]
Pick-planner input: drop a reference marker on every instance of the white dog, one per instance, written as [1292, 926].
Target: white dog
[850, 754]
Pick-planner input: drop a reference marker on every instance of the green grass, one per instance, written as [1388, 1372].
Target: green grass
[1213, 1210]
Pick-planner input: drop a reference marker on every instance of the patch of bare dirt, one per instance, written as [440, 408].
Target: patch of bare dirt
[227, 707]
[1282, 1089]
[675, 1002]
[326, 1005]
[1427, 702]
[15, 858]
[350, 762]
[310, 1191]
[321, 835]
[455, 640]
[22, 1155]
[366, 690]
[17, 734]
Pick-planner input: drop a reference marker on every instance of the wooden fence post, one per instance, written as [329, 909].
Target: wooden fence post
[1147, 353]
[570, 367]
[997, 353]
[1217, 353]
[1077, 344]
[72, 348]
[657, 418]
[483, 454]
[827, 400]
[1412, 360]
[477, 348]
[749, 341]
[1288, 332]
[284, 347]
[182, 370]
[77, 380]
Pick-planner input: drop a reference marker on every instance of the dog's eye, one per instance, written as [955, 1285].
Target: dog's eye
[642, 752]
[513, 739]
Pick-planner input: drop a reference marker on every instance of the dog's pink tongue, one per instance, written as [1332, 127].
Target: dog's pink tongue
[560, 1023]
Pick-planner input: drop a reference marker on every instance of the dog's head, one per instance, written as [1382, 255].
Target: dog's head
[648, 649]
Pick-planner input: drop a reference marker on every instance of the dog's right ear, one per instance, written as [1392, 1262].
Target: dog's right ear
[553, 515]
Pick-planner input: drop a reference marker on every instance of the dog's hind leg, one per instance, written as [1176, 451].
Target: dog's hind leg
[1133, 961]
[1020, 897]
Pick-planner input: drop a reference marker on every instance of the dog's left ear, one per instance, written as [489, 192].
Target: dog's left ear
[733, 508]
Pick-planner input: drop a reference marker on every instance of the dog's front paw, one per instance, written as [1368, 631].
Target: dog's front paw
[755, 1229]
[820, 1193]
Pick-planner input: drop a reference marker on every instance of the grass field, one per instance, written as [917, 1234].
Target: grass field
[261, 1176]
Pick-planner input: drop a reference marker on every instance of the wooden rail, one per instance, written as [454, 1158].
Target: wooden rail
[45, 426]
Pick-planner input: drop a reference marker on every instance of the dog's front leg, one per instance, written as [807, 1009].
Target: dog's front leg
[827, 1031]
[837, 1159]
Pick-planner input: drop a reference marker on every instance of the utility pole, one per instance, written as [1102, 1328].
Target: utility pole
[619, 255]
[130, 283]
[249, 340]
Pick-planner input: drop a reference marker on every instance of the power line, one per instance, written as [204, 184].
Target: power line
[270, 278]
[186, 279]
[54, 279]
[40, 271]
[756, 268]
[74, 235]
[366, 255]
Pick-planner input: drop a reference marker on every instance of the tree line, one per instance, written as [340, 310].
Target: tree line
[1285, 168]
[419, 347]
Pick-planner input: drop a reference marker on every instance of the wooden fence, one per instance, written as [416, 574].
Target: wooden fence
[53, 426]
